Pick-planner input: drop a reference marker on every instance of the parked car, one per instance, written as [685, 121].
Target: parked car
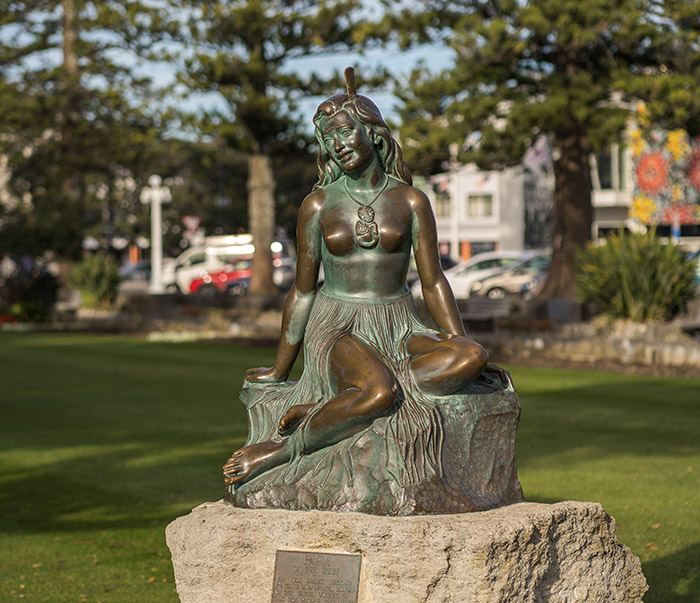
[532, 287]
[412, 276]
[140, 271]
[213, 256]
[511, 280]
[210, 283]
[239, 287]
[235, 277]
[284, 270]
[463, 275]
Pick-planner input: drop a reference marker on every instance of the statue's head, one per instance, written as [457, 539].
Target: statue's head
[366, 114]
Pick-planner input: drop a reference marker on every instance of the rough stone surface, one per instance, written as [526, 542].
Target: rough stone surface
[598, 342]
[562, 553]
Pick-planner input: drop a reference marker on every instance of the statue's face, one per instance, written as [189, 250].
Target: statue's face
[347, 142]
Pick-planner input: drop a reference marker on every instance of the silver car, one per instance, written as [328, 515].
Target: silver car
[511, 280]
[462, 276]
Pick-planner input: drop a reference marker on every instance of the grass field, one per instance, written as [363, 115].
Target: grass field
[104, 440]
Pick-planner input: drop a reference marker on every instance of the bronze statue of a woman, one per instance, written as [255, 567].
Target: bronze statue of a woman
[363, 418]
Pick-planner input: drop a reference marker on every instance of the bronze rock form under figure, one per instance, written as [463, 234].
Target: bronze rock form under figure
[389, 416]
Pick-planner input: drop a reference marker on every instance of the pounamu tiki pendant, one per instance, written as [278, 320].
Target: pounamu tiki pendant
[366, 228]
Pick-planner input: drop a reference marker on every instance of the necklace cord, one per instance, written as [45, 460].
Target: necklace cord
[347, 190]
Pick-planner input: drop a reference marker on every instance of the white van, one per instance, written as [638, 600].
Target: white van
[212, 256]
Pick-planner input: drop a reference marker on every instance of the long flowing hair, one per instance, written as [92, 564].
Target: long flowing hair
[366, 113]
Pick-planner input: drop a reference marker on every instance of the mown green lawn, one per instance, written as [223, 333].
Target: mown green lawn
[104, 440]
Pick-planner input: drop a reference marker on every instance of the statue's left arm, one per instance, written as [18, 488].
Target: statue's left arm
[436, 290]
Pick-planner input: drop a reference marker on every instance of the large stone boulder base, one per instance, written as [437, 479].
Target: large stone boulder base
[527, 552]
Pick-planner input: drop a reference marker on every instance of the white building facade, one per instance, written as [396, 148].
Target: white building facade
[478, 211]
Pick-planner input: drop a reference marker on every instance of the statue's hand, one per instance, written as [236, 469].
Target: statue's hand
[263, 374]
[491, 372]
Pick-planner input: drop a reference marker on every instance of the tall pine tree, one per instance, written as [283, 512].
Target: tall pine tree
[554, 67]
[242, 49]
[71, 107]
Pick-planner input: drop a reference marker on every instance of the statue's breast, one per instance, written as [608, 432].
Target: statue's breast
[394, 223]
[339, 227]
[338, 231]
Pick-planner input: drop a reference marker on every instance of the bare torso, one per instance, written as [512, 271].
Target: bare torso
[352, 270]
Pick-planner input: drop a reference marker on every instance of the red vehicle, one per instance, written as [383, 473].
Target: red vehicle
[210, 283]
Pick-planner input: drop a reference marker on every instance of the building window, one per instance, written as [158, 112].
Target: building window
[610, 168]
[480, 206]
[442, 204]
[605, 169]
[443, 199]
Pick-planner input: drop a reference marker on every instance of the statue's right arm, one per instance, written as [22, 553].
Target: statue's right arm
[301, 296]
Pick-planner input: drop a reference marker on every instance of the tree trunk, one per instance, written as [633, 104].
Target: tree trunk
[261, 220]
[70, 59]
[573, 212]
[72, 180]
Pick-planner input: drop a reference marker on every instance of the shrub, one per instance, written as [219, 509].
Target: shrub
[96, 277]
[636, 276]
[28, 293]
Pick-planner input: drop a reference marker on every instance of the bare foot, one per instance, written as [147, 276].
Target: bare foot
[250, 461]
[291, 419]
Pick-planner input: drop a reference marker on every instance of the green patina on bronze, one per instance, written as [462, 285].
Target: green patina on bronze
[434, 454]
[297, 322]
[373, 423]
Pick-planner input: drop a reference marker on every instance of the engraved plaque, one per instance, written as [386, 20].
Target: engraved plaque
[307, 577]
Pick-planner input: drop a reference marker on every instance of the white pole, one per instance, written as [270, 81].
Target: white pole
[155, 194]
[156, 247]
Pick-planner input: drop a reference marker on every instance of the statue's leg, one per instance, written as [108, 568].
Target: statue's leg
[442, 364]
[366, 391]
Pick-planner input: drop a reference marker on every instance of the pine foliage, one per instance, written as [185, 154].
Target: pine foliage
[242, 50]
[522, 69]
[76, 113]
[564, 69]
